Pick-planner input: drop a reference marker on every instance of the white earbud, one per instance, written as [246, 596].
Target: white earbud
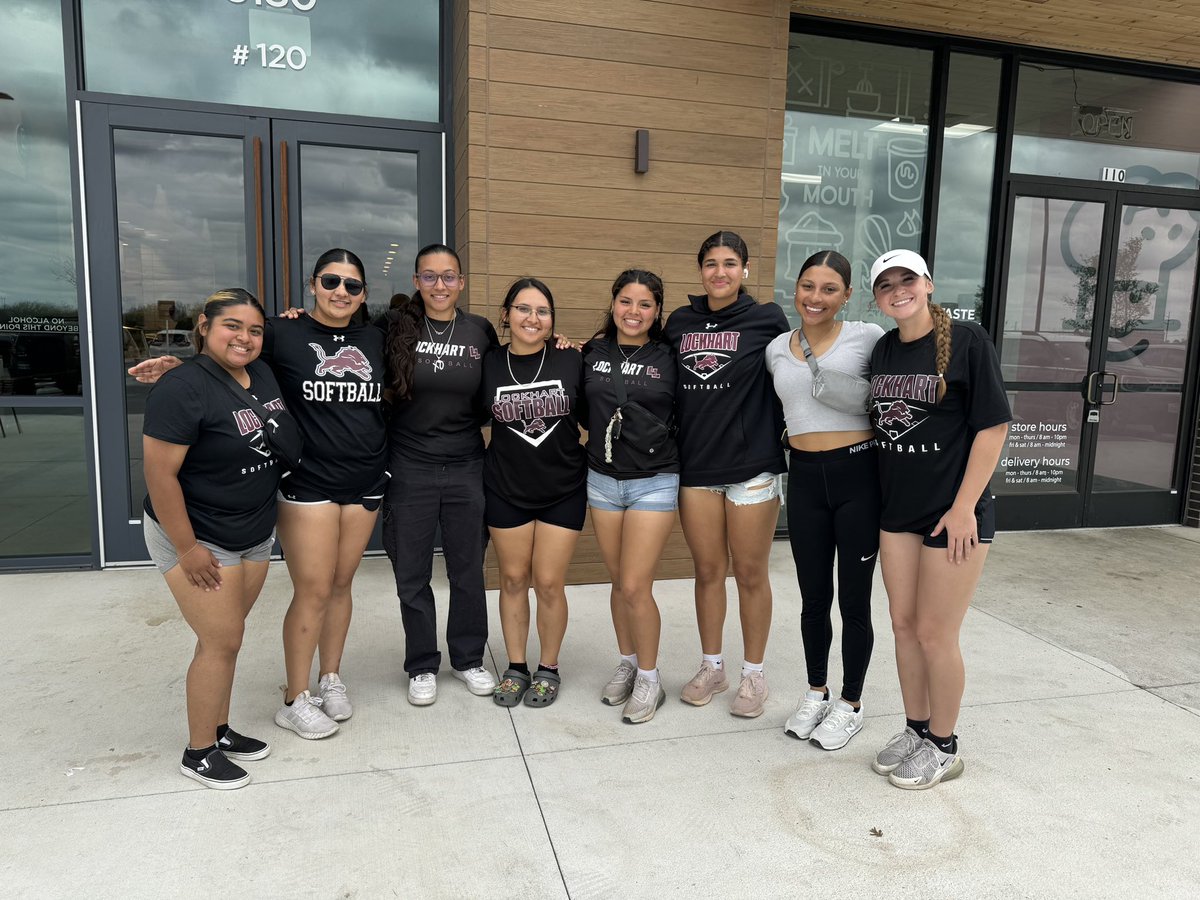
[745, 273]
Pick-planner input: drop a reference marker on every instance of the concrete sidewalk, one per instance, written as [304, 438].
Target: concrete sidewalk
[1080, 732]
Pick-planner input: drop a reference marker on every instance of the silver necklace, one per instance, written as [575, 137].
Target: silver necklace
[508, 359]
[442, 340]
[636, 351]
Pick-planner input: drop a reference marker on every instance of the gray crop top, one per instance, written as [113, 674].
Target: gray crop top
[851, 352]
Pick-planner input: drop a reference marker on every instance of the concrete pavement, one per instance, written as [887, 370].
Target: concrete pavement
[1080, 732]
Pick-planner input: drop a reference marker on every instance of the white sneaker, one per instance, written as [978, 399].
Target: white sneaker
[334, 702]
[808, 715]
[422, 690]
[842, 723]
[479, 681]
[305, 718]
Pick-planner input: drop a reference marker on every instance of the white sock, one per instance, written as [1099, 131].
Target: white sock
[717, 661]
[651, 675]
[632, 660]
[748, 667]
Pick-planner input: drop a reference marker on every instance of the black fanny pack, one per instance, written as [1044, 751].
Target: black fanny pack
[648, 438]
[280, 430]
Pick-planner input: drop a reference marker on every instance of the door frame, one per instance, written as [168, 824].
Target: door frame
[1085, 507]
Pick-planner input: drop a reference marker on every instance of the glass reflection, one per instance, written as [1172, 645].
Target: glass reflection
[855, 141]
[367, 58]
[43, 483]
[39, 319]
[365, 201]
[182, 231]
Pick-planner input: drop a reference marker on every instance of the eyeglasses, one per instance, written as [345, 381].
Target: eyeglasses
[330, 282]
[449, 279]
[542, 312]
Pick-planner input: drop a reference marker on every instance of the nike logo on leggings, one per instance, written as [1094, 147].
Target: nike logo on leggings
[868, 558]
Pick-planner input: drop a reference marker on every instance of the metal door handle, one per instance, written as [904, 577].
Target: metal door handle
[283, 224]
[1089, 391]
[1116, 386]
[258, 219]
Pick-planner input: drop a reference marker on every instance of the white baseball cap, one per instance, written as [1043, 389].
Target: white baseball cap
[899, 259]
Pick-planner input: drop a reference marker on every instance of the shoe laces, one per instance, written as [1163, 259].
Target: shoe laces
[837, 718]
[425, 678]
[476, 672]
[642, 689]
[310, 709]
[751, 684]
[332, 687]
[809, 708]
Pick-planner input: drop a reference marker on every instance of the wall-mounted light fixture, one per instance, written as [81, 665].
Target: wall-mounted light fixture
[641, 162]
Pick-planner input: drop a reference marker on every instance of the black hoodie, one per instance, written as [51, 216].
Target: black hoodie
[729, 417]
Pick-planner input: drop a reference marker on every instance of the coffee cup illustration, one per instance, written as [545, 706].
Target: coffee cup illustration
[906, 169]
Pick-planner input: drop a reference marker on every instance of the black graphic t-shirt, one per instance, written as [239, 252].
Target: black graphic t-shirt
[332, 381]
[729, 417]
[924, 445]
[535, 458]
[649, 374]
[229, 476]
[440, 423]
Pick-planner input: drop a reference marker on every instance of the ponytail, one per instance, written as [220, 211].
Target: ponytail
[941, 339]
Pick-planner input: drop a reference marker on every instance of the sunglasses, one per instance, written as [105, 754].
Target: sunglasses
[330, 282]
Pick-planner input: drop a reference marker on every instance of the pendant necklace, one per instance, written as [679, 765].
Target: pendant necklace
[636, 350]
[442, 340]
[508, 359]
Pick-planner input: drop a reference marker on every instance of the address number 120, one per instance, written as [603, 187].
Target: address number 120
[276, 56]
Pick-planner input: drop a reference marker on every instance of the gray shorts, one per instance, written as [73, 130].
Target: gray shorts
[162, 551]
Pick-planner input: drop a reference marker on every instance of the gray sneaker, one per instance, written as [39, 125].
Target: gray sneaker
[334, 702]
[645, 699]
[708, 681]
[895, 751]
[620, 685]
[842, 723]
[750, 697]
[305, 718]
[808, 715]
[926, 767]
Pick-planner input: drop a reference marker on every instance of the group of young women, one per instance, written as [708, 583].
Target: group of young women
[714, 384]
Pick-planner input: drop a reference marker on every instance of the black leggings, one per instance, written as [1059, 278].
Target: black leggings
[833, 505]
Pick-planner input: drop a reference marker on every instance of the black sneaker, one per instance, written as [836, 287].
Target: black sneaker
[215, 771]
[238, 746]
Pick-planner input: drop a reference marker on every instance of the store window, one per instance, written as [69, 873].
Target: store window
[967, 173]
[39, 319]
[366, 58]
[1080, 123]
[855, 145]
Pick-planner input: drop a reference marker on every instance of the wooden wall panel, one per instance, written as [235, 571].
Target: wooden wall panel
[547, 97]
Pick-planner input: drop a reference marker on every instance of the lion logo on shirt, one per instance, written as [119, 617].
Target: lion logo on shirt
[895, 418]
[347, 359]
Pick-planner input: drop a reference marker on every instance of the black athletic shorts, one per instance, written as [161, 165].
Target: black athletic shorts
[568, 512]
[293, 490]
[985, 524]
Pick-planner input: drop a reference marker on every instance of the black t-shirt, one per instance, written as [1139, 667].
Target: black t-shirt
[729, 416]
[332, 381]
[440, 422]
[649, 374]
[229, 476]
[923, 444]
[535, 458]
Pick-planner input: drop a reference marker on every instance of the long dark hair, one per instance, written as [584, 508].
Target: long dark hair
[404, 328]
[216, 303]
[608, 328]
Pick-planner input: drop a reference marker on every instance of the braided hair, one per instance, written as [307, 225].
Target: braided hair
[941, 343]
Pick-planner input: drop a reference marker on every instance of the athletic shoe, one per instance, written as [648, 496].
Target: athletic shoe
[238, 746]
[808, 715]
[620, 686]
[305, 718]
[708, 681]
[422, 689]
[926, 767]
[842, 723]
[479, 681]
[215, 771]
[644, 700]
[895, 751]
[334, 702]
[750, 697]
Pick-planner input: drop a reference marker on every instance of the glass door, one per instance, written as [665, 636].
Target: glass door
[1097, 310]
[182, 204]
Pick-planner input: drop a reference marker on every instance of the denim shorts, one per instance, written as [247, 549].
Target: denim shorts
[162, 551]
[658, 493]
[762, 488]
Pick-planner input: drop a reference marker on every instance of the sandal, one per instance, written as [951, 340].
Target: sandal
[511, 689]
[544, 689]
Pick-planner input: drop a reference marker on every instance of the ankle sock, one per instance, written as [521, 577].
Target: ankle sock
[542, 667]
[651, 675]
[717, 661]
[947, 744]
[632, 660]
[523, 668]
[749, 667]
[920, 726]
[197, 755]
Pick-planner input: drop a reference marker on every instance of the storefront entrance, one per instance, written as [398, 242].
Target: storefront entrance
[1094, 329]
[180, 204]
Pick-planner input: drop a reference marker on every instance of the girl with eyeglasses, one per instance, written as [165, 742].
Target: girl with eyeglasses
[332, 372]
[633, 495]
[535, 483]
[210, 518]
[729, 426]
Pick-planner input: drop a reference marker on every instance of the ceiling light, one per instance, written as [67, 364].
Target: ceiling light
[797, 178]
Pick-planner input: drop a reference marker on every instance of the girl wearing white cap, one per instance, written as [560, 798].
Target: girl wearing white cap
[941, 416]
